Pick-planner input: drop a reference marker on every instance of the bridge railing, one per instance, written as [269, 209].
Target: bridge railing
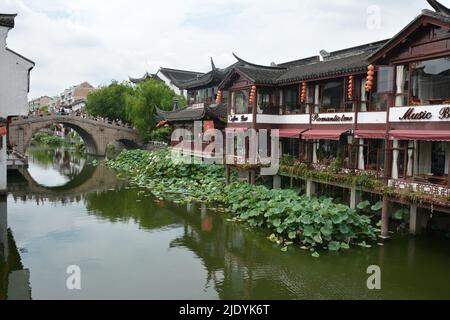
[82, 116]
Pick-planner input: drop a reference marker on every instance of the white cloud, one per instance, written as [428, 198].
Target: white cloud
[99, 40]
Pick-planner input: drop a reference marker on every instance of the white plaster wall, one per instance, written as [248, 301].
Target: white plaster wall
[170, 84]
[14, 73]
[3, 165]
[372, 117]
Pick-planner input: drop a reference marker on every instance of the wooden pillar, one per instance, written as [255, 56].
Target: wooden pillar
[355, 197]
[385, 219]
[448, 181]
[413, 222]
[252, 177]
[311, 189]
[227, 175]
[277, 182]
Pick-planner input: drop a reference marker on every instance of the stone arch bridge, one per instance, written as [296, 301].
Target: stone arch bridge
[96, 134]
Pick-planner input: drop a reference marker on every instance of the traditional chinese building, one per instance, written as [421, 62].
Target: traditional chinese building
[173, 78]
[371, 119]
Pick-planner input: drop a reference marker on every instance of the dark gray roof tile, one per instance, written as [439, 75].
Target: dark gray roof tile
[7, 20]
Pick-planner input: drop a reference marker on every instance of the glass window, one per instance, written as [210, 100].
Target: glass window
[377, 101]
[291, 100]
[385, 82]
[328, 151]
[333, 96]
[263, 101]
[431, 82]
[439, 158]
[240, 102]
[291, 147]
[402, 86]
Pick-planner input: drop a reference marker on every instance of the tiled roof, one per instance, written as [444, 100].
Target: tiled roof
[351, 60]
[219, 112]
[187, 114]
[145, 77]
[425, 13]
[300, 62]
[178, 77]
[210, 79]
[194, 114]
[260, 75]
[7, 20]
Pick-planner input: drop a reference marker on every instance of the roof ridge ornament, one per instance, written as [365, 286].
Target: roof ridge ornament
[249, 64]
[439, 7]
[213, 65]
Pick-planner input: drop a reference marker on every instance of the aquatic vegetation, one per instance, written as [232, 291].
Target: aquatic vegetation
[316, 223]
[43, 138]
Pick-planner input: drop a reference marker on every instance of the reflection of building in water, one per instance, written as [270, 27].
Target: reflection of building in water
[14, 279]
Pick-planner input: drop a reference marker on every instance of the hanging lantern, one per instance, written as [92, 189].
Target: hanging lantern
[303, 89]
[350, 88]
[370, 78]
[219, 97]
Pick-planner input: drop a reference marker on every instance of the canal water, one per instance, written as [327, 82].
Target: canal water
[130, 246]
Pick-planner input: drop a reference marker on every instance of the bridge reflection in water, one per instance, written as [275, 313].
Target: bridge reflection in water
[81, 175]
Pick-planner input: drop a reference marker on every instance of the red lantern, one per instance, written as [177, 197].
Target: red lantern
[303, 89]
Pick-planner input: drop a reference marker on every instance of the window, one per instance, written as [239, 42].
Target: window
[291, 147]
[240, 103]
[431, 82]
[439, 158]
[385, 80]
[291, 100]
[328, 151]
[268, 101]
[263, 101]
[402, 86]
[332, 96]
[224, 97]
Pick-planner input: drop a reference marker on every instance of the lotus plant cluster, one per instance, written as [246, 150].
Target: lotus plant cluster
[315, 223]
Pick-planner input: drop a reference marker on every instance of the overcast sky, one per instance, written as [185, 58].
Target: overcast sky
[73, 41]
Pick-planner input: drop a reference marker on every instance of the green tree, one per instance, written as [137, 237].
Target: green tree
[109, 101]
[141, 106]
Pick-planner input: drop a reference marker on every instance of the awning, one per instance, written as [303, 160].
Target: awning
[323, 134]
[370, 134]
[427, 135]
[288, 133]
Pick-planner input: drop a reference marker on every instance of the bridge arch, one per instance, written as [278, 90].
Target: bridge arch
[96, 134]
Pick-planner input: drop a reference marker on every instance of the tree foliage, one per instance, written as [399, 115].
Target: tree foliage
[135, 104]
[141, 106]
[109, 101]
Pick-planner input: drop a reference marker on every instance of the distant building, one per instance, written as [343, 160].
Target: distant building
[173, 78]
[75, 93]
[39, 103]
[14, 86]
[54, 104]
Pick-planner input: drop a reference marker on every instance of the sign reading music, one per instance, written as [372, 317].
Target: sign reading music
[435, 113]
